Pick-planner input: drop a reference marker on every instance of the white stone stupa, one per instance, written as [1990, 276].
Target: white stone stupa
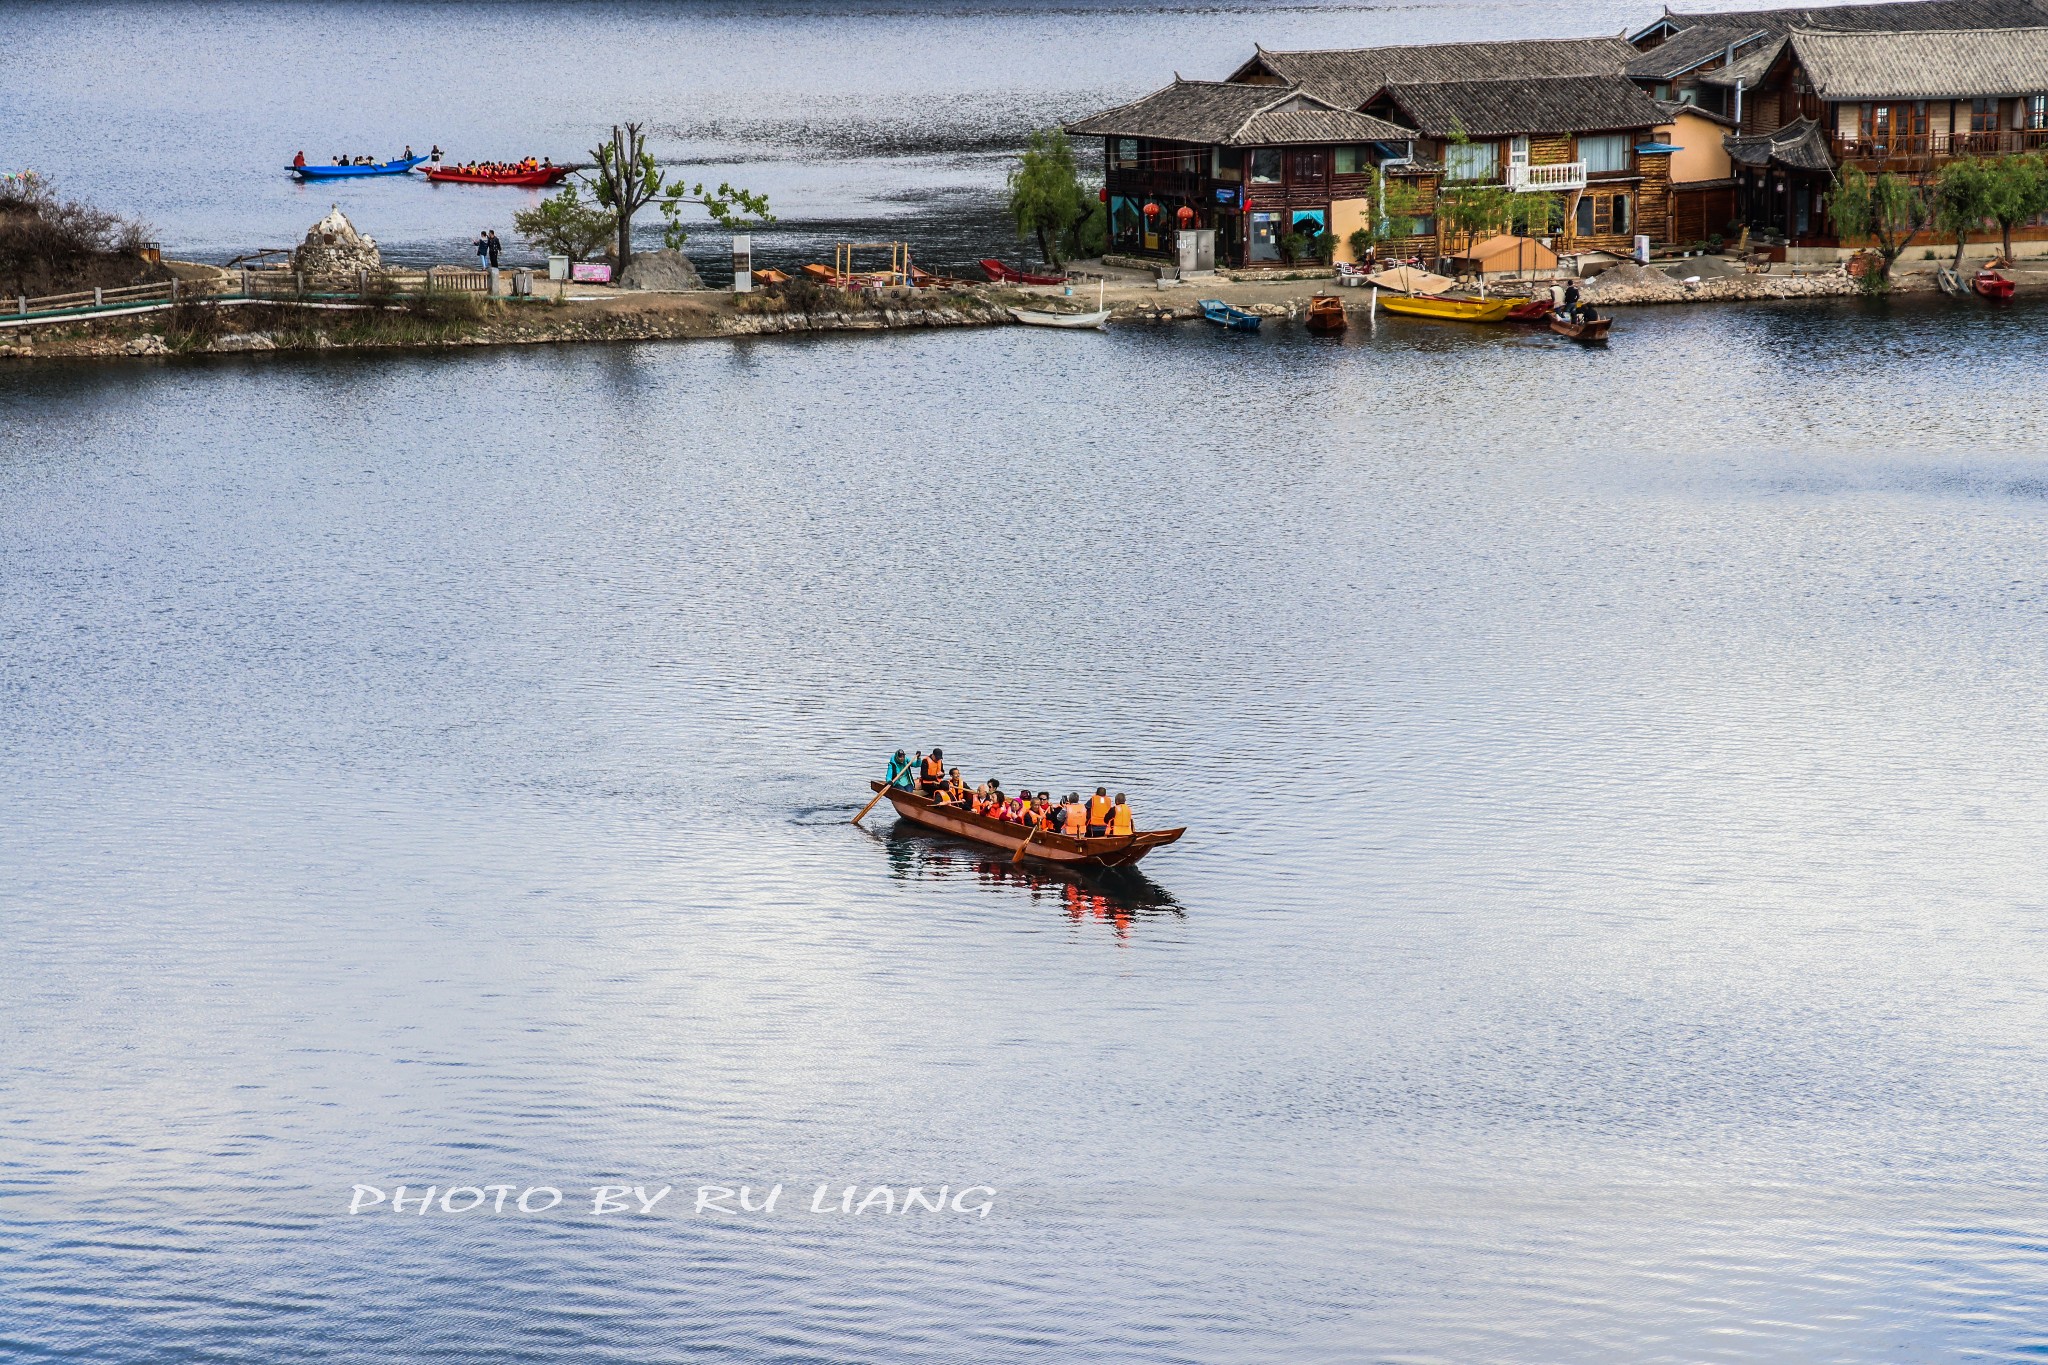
[333, 246]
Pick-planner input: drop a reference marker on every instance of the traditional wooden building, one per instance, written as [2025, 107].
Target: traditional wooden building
[1903, 102]
[1255, 163]
[1588, 140]
[1302, 141]
[1716, 59]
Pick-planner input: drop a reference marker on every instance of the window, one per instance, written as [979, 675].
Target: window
[2037, 111]
[1266, 167]
[1350, 161]
[1308, 222]
[1663, 91]
[1127, 153]
[1471, 160]
[1584, 224]
[1601, 214]
[1984, 116]
[1126, 221]
[1621, 214]
[1306, 166]
[1604, 154]
[1229, 165]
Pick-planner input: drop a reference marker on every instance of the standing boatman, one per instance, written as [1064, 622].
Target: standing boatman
[898, 774]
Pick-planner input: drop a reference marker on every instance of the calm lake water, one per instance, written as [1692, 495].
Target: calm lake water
[1610, 926]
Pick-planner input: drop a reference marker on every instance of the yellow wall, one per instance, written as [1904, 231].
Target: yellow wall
[1346, 217]
[1704, 157]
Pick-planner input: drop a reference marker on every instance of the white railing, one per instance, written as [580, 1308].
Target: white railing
[1559, 175]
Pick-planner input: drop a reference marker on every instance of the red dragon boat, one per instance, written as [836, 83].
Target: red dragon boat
[535, 179]
[1110, 851]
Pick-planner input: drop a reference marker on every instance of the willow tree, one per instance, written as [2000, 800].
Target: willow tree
[1047, 199]
[2017, 190]
[627, 179]
[1886, 208]
[1962, 200]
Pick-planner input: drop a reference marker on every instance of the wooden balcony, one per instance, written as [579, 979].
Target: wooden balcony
[1559, 175]
[1926, 150]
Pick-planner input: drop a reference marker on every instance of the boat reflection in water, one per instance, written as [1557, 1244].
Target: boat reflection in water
[1117, 896]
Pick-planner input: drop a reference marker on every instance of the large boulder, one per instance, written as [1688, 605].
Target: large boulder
[334, 247]
[665, 270]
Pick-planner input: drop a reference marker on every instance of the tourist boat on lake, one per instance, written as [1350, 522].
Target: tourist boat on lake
[1231, 319]
[1326, 315]
[1992, 285]
[1448, 310]
[309, 171]
[1110, 851]
[1592, 333]
[538, 178]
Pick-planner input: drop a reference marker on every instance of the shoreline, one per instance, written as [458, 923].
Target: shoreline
[602, 314]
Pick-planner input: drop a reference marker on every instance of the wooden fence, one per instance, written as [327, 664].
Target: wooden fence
[364, 288]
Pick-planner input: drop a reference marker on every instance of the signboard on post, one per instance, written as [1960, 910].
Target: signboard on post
[742, 263]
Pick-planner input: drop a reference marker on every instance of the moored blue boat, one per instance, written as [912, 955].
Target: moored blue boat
[312, 172]
[1223, 315]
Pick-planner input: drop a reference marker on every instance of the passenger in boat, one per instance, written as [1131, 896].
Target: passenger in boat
[435, 153]
[956, 787]
[408, 153]
[898, 774]
[1120, 826]
[1076, 824]
[931, 771]
[299, 161]
[1046, 821]
[1099, 807]
[1571, 301]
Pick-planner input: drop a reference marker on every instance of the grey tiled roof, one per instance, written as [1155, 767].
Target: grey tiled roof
[1350, 76]
[1227, 114]
[1898, 16]
[1800, 146]
[1692, 48]
[1563, 104]
[1948, 64]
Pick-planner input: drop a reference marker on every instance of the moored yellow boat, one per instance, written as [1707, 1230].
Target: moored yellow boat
[1451, 310]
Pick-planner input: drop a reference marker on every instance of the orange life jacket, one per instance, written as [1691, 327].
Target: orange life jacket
[1120, 821]
[1098, 810]
[1077, 820]
[934, 768]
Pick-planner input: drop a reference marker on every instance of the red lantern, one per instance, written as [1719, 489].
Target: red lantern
[1151, 210]
[1103, 194]
[1185, 214]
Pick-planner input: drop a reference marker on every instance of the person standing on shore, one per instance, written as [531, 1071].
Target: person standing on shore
[494, 249]
[483, 250]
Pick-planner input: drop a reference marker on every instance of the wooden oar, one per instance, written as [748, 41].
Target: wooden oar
[871, 804]
[1018, 856]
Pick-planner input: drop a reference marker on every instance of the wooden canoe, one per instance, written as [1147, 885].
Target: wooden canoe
[1592, 333]
[1120, 851]
[1326, 314]
[1448, 310]
[1535, 310]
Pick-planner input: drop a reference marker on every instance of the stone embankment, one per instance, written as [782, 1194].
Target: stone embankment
[1629, 284]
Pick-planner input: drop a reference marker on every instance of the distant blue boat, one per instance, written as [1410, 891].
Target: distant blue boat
[311, 172]
[1223, 315]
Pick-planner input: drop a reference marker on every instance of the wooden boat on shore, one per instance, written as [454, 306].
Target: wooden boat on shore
[309, 171]
[539, 178]
[1593, 333]
[1448, 310]
[1040, 317]
[1228, 318]
[1009, 274]
[1110, 851]
[1535, 311]
[1326, 315]
[1992, 285]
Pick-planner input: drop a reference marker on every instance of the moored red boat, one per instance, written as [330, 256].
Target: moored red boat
[1992, 285]
[1119, 850]
[1006, 274]
[1535, 310]
[534, 179]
